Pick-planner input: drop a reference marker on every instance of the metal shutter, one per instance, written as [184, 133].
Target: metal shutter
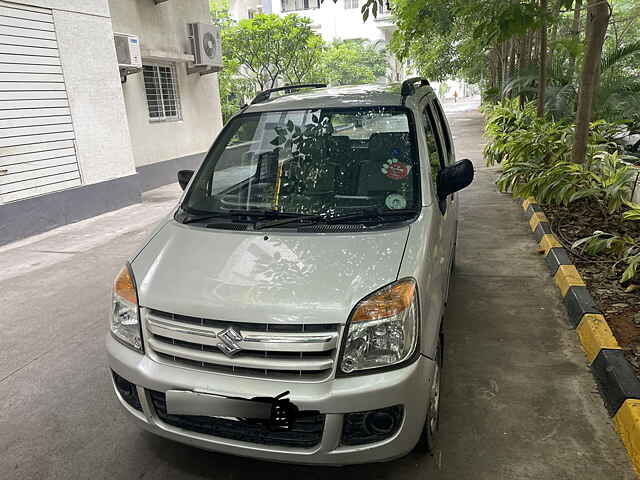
[37, 147]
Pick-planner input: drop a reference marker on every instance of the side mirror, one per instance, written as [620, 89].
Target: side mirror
[454, 178]
[184, 177]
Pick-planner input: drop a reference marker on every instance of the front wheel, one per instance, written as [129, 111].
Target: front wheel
[427, 440]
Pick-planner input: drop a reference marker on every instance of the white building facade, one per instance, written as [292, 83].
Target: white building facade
[76, 139]
[339, 20]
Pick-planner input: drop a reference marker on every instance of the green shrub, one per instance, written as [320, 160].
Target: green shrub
[624, 248]
[535, 154]
[604, 179]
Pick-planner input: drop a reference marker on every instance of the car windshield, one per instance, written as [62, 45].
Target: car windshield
[305, 162]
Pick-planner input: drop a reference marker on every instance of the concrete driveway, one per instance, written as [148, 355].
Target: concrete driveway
[518, 399]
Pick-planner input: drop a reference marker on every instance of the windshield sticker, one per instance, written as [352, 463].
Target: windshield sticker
[394, 169]
[395, 201]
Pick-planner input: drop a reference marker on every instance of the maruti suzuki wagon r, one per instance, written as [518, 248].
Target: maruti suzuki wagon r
[289, 308]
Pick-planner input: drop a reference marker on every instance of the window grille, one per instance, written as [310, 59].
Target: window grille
[349, 4]
[161, 87]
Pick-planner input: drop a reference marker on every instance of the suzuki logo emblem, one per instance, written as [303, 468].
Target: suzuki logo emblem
[229, 339]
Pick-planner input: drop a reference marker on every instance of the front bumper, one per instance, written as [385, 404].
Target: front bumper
[408, 386]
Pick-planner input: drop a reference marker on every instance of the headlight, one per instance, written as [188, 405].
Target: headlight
[125, 321]
[383, 328]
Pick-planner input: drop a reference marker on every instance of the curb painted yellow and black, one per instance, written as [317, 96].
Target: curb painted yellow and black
[618, 384]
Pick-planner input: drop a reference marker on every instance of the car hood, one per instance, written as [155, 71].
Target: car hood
[271, 277]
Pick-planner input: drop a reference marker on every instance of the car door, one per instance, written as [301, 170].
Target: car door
[450, 215]
[439, 251]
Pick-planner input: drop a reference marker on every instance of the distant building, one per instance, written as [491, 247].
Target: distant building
[341, 20]
[244, 9]
[80, 134]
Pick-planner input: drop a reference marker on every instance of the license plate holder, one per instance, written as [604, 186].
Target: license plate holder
[186, 402]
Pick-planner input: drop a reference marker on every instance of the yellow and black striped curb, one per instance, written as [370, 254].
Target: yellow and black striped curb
[618, 384]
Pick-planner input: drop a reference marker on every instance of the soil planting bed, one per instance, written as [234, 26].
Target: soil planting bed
[621, 309]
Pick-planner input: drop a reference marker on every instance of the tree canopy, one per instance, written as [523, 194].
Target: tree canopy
[351, 62]
[270, 48]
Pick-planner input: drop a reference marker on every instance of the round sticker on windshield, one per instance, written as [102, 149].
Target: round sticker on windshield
[394, 169]
[395, 201]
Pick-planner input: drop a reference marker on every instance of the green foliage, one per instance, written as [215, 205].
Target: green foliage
[351, 62]
[604, 180]
[270, 50]
[269, 47]
[603, 242]
[624, 248]
[235, 90]
[536, 161]
[633, 213]
[536, 158]
[304, 67]
[219, 12]
[615, 55]
[503, 20]
[516, 134]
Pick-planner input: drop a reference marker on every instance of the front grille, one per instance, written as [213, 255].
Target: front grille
[276, 351]
[306, 432]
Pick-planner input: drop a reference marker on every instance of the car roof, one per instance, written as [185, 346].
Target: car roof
[339, 97]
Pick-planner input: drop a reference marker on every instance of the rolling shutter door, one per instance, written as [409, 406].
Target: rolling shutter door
[37, 147]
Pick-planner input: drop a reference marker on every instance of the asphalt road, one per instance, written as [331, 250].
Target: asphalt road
[518, 400]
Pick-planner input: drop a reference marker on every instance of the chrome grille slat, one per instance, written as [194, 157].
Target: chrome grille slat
[238, 361]
[284, 341]
[278, 351]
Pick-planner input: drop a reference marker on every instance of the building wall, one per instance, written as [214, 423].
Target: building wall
[87, 56]
[334, 21]
[102, 145]
[239, 9]
[119, 151]
[162, 30]
[99, 117]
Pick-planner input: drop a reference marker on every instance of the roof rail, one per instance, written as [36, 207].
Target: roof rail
[408, 86]
[266, 94]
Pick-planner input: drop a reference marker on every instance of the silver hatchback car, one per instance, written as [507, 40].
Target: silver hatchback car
[289, 308]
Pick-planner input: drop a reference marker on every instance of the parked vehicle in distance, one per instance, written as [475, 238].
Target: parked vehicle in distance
[290, 307]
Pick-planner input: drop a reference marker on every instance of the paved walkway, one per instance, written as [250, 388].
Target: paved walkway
[519, 402]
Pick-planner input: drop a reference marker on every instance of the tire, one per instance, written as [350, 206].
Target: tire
[427, 442]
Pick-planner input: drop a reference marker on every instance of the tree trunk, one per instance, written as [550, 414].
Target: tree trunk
[575, 31]
[542, 68]
[512, 58]
[531, 45]
[498, 63]
[598, 13]
[522, 63]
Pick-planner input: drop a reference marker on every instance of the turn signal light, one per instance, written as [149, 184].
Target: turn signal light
[386, 303]
[124, 287]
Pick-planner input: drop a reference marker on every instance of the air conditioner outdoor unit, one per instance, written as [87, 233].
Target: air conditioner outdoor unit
[207, 46]
[128, 52]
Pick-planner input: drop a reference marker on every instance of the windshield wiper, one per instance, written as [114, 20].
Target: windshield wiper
[186, 217]
[363, 214]
[189, 218]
